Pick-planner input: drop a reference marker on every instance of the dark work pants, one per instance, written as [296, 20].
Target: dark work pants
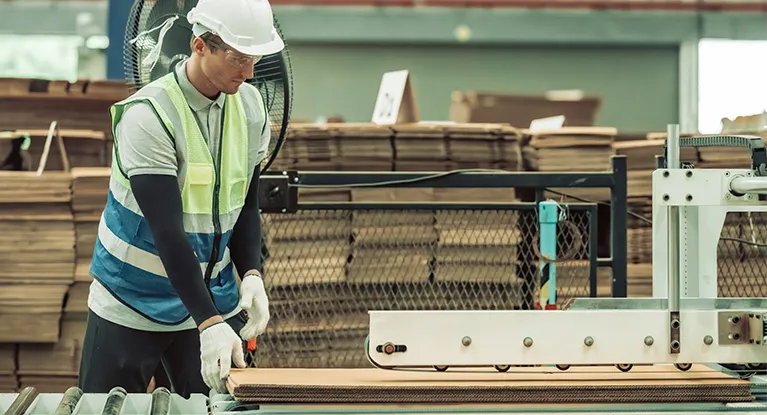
[114, 355]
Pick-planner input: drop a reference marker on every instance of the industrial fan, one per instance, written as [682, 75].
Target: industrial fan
[153, 19]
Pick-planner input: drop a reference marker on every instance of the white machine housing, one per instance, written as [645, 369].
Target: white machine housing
[684, 323]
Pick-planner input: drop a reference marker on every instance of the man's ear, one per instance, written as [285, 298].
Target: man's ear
[198, 46]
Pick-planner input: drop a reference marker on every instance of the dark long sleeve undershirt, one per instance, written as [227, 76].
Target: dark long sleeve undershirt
[165, 219]
[245, 244]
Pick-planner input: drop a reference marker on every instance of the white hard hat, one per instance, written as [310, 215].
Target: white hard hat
[245, 25]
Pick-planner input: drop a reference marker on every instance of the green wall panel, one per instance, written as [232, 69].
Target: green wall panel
[638, 85]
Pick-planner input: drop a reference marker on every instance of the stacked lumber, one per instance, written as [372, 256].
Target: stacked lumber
[37, 254]
[31, 104]
[571, 149]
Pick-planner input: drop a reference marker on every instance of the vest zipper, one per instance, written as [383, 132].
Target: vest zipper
[216, 219]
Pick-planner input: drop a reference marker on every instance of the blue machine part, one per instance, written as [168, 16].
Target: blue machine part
[548, 217]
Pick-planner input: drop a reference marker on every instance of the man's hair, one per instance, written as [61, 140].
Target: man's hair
[213, 42]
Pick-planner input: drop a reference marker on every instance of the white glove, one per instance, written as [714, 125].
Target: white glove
[253, 300]
[219, 346]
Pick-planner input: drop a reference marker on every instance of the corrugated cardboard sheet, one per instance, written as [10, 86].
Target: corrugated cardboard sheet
[520, 385]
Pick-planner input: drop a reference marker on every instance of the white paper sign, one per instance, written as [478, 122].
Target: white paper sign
[548, 123]
[390, 95]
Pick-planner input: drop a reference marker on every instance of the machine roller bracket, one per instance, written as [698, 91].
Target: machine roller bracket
[277, 193]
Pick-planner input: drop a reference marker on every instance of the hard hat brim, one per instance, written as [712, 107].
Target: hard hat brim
[275, 46]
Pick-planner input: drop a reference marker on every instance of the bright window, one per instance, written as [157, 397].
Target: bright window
[43, 57]
[732, 81]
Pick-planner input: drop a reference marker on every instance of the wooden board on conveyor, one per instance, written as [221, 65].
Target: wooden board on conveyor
[644, 384]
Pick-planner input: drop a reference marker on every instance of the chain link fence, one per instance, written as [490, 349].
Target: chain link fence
[326, 268]
[741, 255]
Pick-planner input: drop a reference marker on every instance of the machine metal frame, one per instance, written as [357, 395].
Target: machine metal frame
[683, 324]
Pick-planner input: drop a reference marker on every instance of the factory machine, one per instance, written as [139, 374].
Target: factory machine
[684, 323]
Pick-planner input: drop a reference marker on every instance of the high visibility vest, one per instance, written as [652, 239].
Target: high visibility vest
[125, 259]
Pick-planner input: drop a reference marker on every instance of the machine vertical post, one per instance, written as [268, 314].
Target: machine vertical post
[548, 216]
[673, 161]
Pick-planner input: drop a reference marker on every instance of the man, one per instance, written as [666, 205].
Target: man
[182, 216]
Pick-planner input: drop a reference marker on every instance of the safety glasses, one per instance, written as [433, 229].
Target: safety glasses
[231, 56]
[240, 60]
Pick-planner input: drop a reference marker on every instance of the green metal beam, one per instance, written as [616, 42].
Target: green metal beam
[433, 25]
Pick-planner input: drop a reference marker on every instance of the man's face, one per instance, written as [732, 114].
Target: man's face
[225, 67]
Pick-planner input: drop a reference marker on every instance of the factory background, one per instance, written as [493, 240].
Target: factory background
[650, 62]
[488, 80]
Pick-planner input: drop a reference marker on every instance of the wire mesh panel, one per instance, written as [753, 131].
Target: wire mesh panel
[327, 268]
[740, 253]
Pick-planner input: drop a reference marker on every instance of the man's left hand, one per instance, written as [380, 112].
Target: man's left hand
[254, 301]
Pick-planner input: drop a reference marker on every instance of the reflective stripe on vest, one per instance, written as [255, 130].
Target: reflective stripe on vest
[125, 259]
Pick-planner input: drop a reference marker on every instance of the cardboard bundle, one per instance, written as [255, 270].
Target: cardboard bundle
[640, 161]
[363, 146]
[308, 247]
[521, 110]
[391, 245]
[310, 147]
[54, 367]
[484, 146]
[420, 147]
[571, 149]
[479, 246]
[37, 253]
[8, 379]
[32, 104]
[90, 186]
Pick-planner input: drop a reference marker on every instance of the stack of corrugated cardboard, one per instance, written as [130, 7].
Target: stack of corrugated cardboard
[37, 254]
[521, 110]
[571, 149]
[363, 146]
[641, 163]
[401, 147]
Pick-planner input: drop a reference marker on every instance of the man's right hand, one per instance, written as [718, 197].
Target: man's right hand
[219, 346]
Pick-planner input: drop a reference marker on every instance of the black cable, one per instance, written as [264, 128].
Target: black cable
[453, 172]
[649, 221]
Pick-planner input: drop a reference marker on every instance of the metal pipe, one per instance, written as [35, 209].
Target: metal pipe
[69, 401]
[160, 401]
[115, 401]
[742, 185]
[674, 295]
[23, 401]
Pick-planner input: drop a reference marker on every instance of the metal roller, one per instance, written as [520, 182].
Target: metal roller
[160, 401]
[69, 401]
[22, 402]
[115, 400]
